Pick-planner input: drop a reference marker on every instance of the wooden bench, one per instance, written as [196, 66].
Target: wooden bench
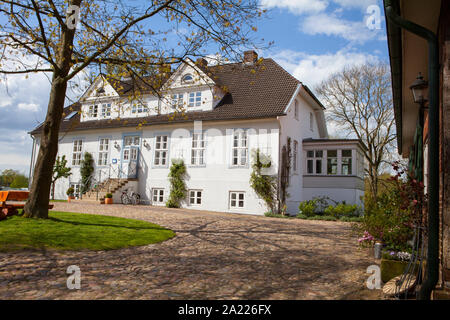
[10, 209]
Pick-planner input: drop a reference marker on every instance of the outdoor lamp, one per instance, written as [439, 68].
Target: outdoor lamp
[419, 89]
[116, 145]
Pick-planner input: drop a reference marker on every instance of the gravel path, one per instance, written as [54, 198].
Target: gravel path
[213, 256]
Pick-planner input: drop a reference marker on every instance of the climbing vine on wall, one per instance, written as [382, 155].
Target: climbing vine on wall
[285, 171]
[264, 184]
[86, 170]
[177, 175]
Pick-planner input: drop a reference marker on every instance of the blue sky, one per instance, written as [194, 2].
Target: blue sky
[312, 39]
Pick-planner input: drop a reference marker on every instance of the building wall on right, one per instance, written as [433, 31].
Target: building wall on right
[444, 44]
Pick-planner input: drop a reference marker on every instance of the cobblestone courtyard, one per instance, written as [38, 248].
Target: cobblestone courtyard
[213, 256]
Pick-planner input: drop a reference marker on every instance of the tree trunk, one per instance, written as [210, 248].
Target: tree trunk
[37, 203]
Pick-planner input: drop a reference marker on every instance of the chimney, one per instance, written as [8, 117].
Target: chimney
[250, 57]
[201, 62]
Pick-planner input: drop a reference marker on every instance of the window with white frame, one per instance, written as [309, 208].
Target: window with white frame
[161, 150]
[77, 153]
[177, 100]
[198, 149]
[158, 196]
[195, 197]
[311, 121]
[126, 155]
[93, 111]
[332, 162]
[195, 99]
[106, 110]
[296, 109]
[240, 148]
[237, 199]
[103, 152]
[131, 141]
[139, 108]
[314, 161]
[295, 157]
[346, 162]
[187, 78]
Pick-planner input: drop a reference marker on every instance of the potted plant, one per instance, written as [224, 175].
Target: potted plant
[70, 194]
[108, 198]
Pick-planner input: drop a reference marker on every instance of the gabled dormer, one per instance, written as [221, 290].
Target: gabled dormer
[99, 101]
[191, 88]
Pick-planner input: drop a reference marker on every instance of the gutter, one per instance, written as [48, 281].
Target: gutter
[432, 266]
[31, 162]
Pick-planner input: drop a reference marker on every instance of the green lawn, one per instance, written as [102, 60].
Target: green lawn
[78, 231]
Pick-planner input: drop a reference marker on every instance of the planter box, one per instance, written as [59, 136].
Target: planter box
[392, 268]
[108, 200]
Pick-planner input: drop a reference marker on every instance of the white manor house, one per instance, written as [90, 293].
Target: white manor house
[229, 111]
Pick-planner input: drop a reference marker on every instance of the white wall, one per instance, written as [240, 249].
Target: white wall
[216, 178]
[297, 130]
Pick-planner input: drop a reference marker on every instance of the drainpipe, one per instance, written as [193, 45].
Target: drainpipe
[31, 162]
[432, 267]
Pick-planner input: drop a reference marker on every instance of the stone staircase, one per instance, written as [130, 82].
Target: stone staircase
[108, 186]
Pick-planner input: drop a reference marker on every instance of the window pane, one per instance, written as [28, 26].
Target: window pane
[319, 153]
[332, 153]
[310, 154]
[346, 153]
[310, 167]
[332, 166]
[318, 166]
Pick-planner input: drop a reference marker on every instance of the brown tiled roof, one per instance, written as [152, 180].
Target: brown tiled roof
[262, 90]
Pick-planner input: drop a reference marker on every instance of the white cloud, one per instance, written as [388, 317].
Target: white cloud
[28, 106]
[362, 4]
[311, 69]
[332, 25]
[296, 6]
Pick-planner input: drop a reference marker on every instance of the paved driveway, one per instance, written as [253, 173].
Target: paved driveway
[213, 256]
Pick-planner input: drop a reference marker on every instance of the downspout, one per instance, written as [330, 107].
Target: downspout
[432, 266]
[31, 162]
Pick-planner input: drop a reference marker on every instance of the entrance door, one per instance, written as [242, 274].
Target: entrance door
[130, 156]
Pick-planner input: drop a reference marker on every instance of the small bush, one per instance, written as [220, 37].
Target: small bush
[308, 207]
[108, 195]
[342, 210]
[70, 191]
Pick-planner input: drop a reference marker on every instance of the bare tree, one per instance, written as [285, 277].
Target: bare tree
[359, 102]
[66, 37]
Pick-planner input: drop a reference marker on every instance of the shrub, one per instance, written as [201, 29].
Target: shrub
[70, 191]
[108, 195]
[301, 216]
[342, 210]
[86, 171]
[177, 186]
[308, 207]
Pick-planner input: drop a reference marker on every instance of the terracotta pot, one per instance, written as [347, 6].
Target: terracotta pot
[108, 201]
[70, 198]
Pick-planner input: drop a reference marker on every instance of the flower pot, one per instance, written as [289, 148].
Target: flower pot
[70, 198]
[108, 201]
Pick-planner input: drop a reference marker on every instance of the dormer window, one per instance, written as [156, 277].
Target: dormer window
[177, 100]
[195, 99]
[187, 78]
[93, 111]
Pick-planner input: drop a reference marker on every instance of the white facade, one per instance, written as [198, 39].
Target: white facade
[217, 154]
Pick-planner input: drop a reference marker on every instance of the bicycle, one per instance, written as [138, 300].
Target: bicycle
[130, 197]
